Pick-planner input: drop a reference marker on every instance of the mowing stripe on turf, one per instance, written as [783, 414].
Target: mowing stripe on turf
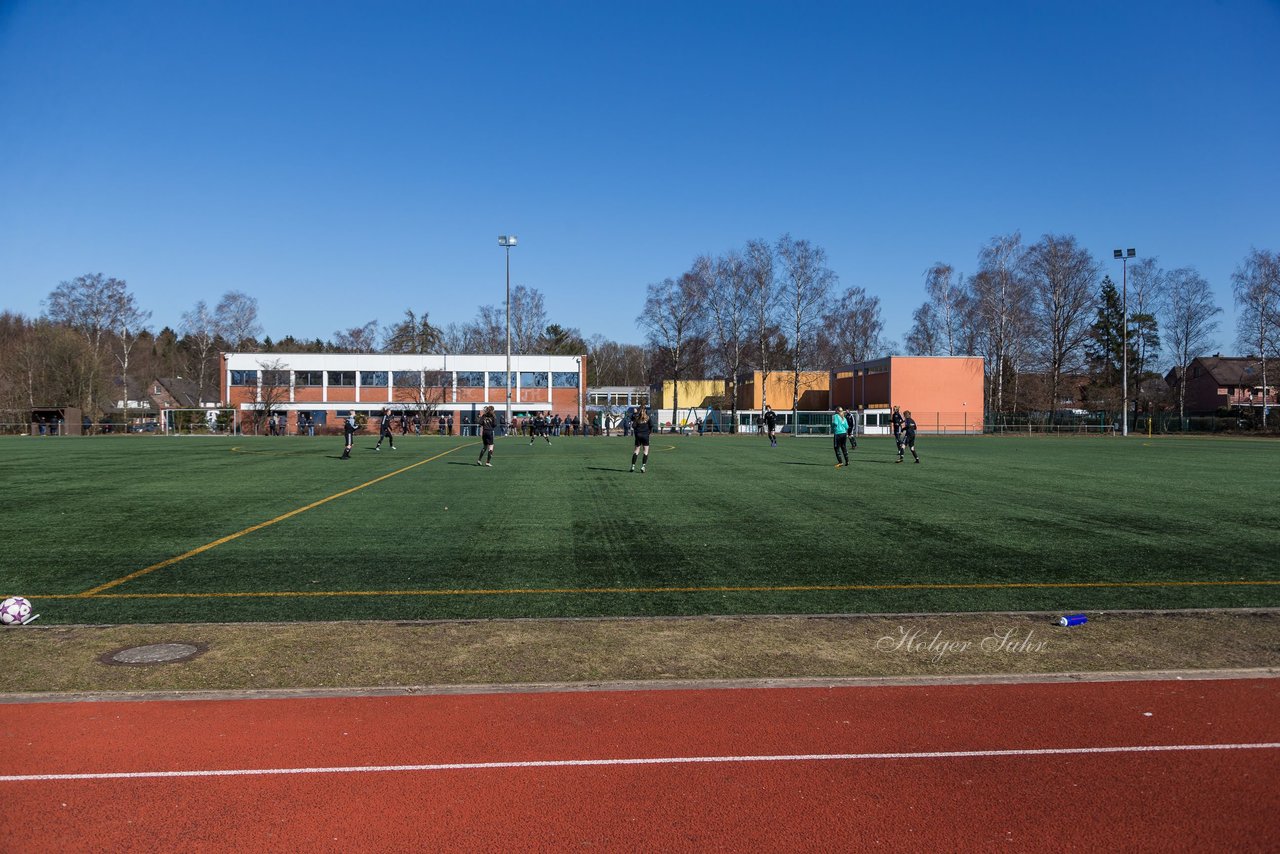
[518, 591]
[258, 527]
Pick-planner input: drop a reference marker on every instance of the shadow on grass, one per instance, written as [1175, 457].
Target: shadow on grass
[600, 468]
[794, 463]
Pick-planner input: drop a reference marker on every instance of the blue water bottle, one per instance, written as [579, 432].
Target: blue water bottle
[1072, 620]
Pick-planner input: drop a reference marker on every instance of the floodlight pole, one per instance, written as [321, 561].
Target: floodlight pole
[1124, 380]
[506, 241]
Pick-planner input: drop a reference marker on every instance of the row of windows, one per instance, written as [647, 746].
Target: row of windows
[406, 379]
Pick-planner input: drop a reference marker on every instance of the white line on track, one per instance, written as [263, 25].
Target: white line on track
[668, 760]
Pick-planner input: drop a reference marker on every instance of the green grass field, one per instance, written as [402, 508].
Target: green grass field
[719, 525]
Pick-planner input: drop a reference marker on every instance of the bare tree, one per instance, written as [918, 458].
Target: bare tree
[237, 320]
[852, 329]
[806, 288]
[357, 339]
[528, 319]
[488, 332]
[762, 301]
[130, 323]
[924, 337]
[1146, 287]
[947, 301]
[1256, 284]
[1189, 323]
[91, 305]
[455, 338]
[421, 393]
[612, 363]
[273, 390]
[200, 328]
[1001, 308]
[728, 315]
[1062, 277]
[672, 317]
[413, 334]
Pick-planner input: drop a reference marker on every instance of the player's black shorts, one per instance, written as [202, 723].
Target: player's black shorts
[642, 440]
[487, 437]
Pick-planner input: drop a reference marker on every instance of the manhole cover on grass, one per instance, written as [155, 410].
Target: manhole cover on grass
[156, 653]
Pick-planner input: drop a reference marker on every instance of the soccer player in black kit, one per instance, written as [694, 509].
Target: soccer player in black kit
[771, 424]
[348, 436]
[908, 436]
[897, 431]
[641, 427]
[488, 421]
[386, 430]
[541, 427]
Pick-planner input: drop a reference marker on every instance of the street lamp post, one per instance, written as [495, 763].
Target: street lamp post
[582, 416]
[506, 241]
[1124, 379]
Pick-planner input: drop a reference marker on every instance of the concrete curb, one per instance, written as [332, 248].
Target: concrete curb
[647, 685]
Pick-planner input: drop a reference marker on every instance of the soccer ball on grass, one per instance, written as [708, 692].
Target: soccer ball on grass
[15, 611]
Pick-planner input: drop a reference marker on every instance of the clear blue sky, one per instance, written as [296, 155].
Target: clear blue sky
[345, 161]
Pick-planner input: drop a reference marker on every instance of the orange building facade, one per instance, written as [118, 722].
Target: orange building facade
[814, 391]
[943, 393]
[322, 388]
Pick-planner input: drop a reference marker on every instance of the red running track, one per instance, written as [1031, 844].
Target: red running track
[1121, 799]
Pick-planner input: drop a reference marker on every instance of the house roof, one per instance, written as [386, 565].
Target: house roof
[1232, 370]
[184, 392]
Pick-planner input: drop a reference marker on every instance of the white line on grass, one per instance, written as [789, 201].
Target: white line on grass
[668, 760]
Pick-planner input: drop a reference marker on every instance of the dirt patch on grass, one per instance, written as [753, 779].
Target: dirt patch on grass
[346, 655]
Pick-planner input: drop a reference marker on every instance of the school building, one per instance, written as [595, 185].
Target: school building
[325, 387]
[943, 393]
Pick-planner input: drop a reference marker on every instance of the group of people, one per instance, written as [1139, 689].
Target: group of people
[641, 426]
[844, 435]
[540, 424]
[349, 432]
[904, 434]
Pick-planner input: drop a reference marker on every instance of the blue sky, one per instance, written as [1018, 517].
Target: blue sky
[345, 161]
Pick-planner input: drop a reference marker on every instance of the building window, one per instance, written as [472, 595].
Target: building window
[347, 378]
[498, 379]
[564, 379]
[407, 379]
[533, 379]
[244, 378]
[373, 379]
[471, 379]
[275, 378]
[301, 378]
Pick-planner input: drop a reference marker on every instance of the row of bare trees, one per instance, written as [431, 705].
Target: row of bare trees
[1037, 314]
[94, 336]
[1043, 317]
[766, 307]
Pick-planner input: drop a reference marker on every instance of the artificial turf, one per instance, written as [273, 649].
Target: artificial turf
[718, 525]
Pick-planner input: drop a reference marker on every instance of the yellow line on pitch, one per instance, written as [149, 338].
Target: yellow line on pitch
[817, 588]
[258, 527]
